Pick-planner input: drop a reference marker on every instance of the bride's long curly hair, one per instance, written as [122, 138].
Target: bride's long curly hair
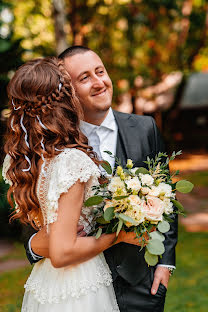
[41, 90]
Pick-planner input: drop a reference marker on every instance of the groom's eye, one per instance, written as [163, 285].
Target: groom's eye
[84, 78]
[100, 72]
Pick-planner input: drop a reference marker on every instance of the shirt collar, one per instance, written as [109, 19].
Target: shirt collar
[109, 123]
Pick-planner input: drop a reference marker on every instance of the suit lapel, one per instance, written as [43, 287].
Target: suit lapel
[129, 142]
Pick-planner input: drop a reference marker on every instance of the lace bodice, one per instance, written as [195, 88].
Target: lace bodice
[5, 168]
[58, 175]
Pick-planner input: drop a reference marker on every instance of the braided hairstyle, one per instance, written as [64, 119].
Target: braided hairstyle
[40, 89]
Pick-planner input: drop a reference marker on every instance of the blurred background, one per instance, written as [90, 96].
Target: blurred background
[156, 52]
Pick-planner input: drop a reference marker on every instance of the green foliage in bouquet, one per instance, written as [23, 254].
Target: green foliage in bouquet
[139, 200]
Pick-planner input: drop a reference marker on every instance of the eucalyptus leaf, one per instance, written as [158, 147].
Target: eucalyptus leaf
[120, 197]
[150, 259]
[120, 224]
[178, 205]
[155, 247]
[184, 186]
[141, 170]
[101, 220]
[125, 218]
[163, 226]
[107, 167]
[108, 152]
[167, 218]
[94, 200]
[157, 235]
[99, 232]
[109, 214]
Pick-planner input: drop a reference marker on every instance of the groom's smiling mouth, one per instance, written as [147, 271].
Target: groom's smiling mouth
[99, 93]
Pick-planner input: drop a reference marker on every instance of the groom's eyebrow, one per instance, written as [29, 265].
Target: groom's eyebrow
[87, 71]
[82, 73]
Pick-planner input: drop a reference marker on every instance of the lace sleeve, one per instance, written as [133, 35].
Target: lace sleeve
[67, 168]
[5, 168]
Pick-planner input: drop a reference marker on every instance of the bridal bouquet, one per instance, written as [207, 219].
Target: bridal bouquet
[139, 200]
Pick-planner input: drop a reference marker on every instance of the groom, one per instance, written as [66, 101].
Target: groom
[138, 288]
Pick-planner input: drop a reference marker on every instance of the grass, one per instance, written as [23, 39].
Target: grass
[18, 252]
[188, 288]
[11, 284]
[187, 291]
[198, 178]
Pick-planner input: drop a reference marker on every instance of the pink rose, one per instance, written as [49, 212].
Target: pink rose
[153, 209]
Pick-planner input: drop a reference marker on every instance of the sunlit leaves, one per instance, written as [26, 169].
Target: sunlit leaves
[184, 186]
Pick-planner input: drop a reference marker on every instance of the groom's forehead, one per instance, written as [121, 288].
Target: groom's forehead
[82, 62]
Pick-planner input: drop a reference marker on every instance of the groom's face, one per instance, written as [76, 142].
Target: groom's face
[91, 81]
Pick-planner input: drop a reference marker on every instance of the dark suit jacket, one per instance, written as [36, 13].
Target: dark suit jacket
[138, 137]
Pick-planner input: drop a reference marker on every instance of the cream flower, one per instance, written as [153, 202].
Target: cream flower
[167, 205]
[154, 191]
[134, 200]
[115, 184]
[133, 170]
[146, 179]
[144, 190]
[153, 209]
[134, 184]
[108, 204]
[165, 190]
[136, 213]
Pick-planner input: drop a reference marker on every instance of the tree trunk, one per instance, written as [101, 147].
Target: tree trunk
[59, 23]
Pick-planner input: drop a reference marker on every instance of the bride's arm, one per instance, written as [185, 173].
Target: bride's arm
[65, 247]
[62, 245]
[40, 242]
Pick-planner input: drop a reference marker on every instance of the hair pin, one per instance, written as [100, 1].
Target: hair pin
[14, 105]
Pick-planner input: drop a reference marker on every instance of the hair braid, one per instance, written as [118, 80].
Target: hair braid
[36, 94]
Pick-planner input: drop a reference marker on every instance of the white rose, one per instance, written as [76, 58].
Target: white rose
[134, 184]
[115, 183]
[146, 179]
[167, 205]
[165, 190]
[154, 191]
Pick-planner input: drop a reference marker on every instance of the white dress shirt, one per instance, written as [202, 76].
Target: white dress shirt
[102, 138]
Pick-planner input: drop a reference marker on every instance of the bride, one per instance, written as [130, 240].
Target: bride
[51, 169]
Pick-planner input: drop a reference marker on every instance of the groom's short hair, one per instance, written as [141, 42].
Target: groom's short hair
[77, 49]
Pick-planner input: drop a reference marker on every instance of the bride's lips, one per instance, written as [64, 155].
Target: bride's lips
[99, 93]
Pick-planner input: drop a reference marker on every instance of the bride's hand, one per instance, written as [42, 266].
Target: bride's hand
[130, 238]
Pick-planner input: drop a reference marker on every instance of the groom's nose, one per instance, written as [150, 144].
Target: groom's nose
[98, 82]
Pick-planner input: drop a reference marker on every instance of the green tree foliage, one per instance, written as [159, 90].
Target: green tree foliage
[10, 49]
[148, 38]
[135, 37]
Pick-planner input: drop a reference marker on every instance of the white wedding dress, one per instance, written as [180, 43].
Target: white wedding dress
[86, 287]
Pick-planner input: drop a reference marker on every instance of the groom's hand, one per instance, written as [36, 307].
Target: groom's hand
[80, 231]
[162, 276]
